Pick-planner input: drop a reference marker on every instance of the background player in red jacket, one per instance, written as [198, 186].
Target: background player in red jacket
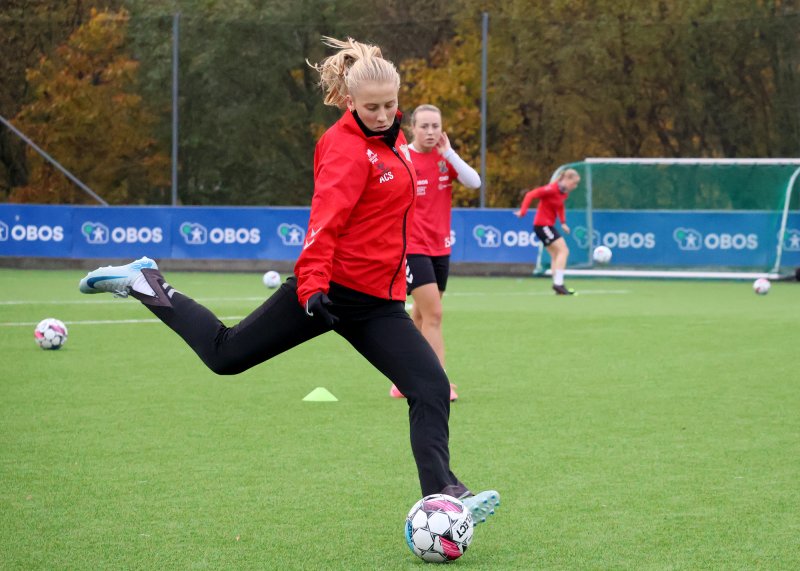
[350, 276]
[551, 206]
[437, 165]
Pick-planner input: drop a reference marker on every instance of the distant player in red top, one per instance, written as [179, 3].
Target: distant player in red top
[551, 206]
[428, 256]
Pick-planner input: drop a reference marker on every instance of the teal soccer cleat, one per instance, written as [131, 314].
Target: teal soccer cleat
[116, 279]
[482, 505]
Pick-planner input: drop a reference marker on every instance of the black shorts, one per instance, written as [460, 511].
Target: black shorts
[546, 234]
[422, 270]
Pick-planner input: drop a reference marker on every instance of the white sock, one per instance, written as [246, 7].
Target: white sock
[558, 277]
[140, 285]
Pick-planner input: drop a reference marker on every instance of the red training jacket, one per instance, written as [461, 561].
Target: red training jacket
[360, 214]
[551, 204]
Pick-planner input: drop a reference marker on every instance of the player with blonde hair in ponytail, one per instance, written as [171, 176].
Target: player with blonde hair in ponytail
[350, 275]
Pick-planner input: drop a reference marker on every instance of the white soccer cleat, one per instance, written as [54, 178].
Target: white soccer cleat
[482, 505]
[116, 279]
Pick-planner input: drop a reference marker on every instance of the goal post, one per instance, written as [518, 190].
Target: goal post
[687, 217]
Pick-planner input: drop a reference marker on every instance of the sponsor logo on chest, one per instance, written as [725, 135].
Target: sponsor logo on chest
[386, 174]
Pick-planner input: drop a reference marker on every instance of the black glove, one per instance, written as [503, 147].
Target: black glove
[317, 306]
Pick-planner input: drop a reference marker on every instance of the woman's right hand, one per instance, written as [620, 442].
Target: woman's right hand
[317, 307]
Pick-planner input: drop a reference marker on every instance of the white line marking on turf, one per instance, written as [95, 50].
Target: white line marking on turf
[231, 317]
[262, 298]
[548, 293]
[100, 321]
[112, 300]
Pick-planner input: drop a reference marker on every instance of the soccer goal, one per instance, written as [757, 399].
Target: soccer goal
[704, 218]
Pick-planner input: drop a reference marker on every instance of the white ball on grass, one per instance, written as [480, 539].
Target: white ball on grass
[50, 333]
[438, 528]
[272, 279]
[761, 286]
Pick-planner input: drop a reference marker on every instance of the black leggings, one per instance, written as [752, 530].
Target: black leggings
[379, 329]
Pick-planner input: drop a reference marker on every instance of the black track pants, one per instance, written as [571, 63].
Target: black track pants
[380, 330]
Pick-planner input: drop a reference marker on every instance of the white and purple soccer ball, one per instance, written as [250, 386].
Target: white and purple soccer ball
[761, 286]
[272, 279]
[50, 333]
[602, 254]
[439, 528]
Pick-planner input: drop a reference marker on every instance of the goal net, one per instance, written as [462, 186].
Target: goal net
[730, 218]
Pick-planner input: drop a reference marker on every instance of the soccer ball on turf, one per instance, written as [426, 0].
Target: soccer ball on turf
[50, 333]
[439, 528]
[602, 254]
[761, 286]
[272, 279]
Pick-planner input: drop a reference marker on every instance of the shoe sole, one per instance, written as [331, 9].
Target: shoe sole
[482, 505]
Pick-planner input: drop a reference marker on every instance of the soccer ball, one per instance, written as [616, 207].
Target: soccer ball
[272, 279]
[439, 528]
[761, 286]
[50, 333]
[602, 254]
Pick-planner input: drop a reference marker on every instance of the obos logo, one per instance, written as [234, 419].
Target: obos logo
[791, 240]
[291, 234]
[95, 232]
[195, 234]
[98, 233]
[581, 237]
[689, 239]
[491, 237]
[31, 233]
[633, 240]
[487, 236]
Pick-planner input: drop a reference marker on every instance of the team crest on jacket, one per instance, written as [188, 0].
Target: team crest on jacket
[372, 156]
[404, 149]
[442, 166]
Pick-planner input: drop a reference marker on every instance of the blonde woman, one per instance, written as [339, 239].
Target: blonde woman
[551, 206]
[350, 276]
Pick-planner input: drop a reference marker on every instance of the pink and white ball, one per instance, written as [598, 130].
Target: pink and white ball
[761, 286]
[439, 528]
[50, 333]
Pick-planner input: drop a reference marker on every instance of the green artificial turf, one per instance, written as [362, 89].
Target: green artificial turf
[642, 425]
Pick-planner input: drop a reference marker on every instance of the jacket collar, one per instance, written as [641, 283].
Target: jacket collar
[389, 136]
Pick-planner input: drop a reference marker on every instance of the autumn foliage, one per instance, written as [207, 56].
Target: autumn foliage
[86, 113]
[566, 79]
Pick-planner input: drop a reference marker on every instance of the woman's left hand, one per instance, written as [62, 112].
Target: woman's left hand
[444, 144]
[565, 228]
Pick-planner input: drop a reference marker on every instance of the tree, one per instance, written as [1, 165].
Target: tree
[28, 30]
[86, 113]
[578, 78]
[450, 81]
[250, 108]
[567, 79]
